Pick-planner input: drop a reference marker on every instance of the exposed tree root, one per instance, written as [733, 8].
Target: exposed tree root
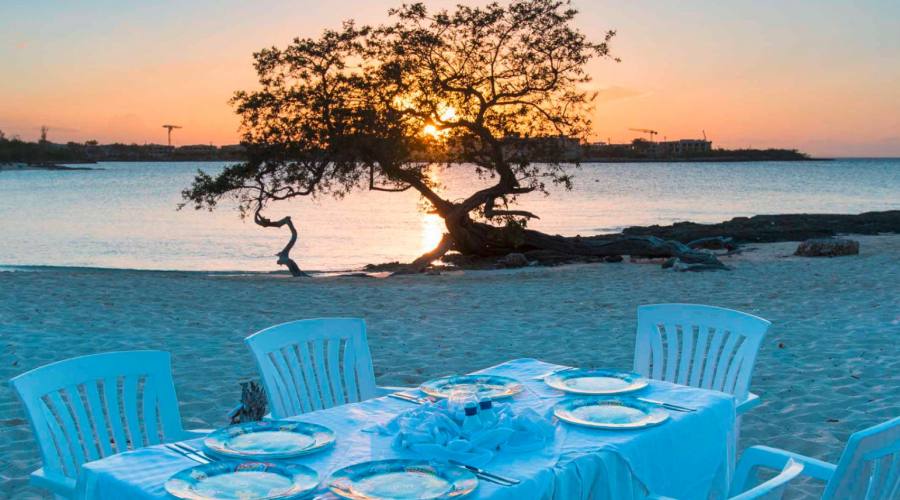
[419, 265]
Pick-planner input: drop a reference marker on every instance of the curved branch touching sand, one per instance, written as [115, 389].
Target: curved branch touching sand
[284, 256]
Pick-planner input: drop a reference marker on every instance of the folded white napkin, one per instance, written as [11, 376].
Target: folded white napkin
[435, 432]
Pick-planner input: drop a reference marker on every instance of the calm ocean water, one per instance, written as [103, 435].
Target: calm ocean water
[124, 216]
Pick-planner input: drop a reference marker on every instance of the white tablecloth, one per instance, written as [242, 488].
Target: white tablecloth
[686, 457]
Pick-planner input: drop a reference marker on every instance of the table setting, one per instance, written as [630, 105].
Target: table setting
[521, 429]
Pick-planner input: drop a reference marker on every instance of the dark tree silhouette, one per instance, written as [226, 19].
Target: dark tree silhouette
[490, 89]
[291, 128]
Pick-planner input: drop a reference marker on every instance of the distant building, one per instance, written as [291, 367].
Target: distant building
[681, 147]
[546, 148]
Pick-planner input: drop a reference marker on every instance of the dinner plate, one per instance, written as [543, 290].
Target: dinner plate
[610, 413]
[486, 386]
[596, 382]
[269, 440]
[229, 480]
[402, 480]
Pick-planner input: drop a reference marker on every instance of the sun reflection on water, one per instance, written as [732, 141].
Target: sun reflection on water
[432, 231]
[433, 227]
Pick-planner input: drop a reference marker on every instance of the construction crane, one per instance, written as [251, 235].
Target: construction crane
[647, 131]
[169, 128]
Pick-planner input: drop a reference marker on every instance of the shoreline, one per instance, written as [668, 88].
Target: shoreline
[793, 228]
[21, 166]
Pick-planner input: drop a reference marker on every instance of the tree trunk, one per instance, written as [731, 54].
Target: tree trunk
[284, 256]
[479, 239]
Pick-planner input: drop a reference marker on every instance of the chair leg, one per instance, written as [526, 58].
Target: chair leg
[735, 445]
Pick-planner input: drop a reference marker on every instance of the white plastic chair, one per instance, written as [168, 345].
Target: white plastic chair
[90, 407]
[313, 364]
[772, 489]
[869, 467]
[700, 346]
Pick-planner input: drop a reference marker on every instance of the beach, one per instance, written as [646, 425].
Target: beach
[829, 366]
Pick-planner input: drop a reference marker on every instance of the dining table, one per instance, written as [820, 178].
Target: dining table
[689, 456]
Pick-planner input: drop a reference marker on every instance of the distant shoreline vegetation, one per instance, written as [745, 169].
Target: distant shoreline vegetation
[16, 154]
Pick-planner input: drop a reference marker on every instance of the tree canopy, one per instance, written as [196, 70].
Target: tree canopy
[487, 88]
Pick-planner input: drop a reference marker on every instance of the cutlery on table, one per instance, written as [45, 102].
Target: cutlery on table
[487, 476]
[408, 398]
[185, 454]
[195, 451]
[554, 372]
[668, 406]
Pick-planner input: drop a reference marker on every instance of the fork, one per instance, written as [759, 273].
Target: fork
[193, 456]
[554, 372]
[195, 451]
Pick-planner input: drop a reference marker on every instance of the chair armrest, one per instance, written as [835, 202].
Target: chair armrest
[773, 458]
[777, 484]
[384, 390]
[61, 485]
[748, 404]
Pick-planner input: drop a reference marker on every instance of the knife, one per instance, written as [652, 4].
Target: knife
[670, 406]
[486, 474]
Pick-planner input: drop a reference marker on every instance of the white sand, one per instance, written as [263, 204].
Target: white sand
[838, 321]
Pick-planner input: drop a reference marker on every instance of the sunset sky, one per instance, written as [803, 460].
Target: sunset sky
[822, 76]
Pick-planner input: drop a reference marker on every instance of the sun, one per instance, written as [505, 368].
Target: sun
[432, 131]
[447, 113]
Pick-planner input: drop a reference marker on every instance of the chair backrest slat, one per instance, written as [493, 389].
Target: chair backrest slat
[319, 363]
[99, 417]
[83, 422]
[869, 467]
[687, 358]
[308, 370]
[711, 357]
[285, 382]
[150, 415]
[74, 421]
[111, 396]
[321, 376]
[130, 402]
[699, 357]
[349, 362]
[725, 359]
[334, 372]
[65, 432]
[56, 445]
[298, 379]
[697, 345]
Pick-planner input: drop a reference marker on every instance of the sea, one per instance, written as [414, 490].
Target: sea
[125, 215]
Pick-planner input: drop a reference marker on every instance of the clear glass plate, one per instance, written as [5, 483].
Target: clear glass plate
[610, 413]
[229, 480]
[490, 386]
[596, 382]
[402, 480]
[269, 440]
